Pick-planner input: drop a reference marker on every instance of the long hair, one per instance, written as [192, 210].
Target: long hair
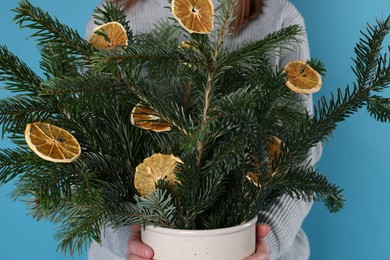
[125, 3]
[244, 11]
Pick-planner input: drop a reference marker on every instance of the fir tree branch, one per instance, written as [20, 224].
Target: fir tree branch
[338, 108]
[17, 111]
[223, 21]
[57, 61]
[208, 95]
[222, 105]
[314, 130]
[150, 95]
[67, 196]
[49, 30]
[244, 200]
[12, 164]
[253, 54]
[111, 12]
[82, 221]
[318, 66]
[162, 32]
[155, 209]
[200, 190]
[48, 183]
[379, 108]
[143, 52]
[89, 83]
[308, 184]
[382, 76]
[368, 53]
[16, 75]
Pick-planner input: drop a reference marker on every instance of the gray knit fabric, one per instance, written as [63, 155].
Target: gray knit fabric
[285, 215]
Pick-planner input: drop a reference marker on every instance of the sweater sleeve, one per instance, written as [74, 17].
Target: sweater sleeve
[286, 214]
[115, 241]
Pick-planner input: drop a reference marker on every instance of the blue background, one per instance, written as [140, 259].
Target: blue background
[356, 158]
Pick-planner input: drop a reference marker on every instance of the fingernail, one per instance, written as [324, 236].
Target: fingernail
[146, 252]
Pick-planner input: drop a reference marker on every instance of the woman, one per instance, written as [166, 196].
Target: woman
[282, 237]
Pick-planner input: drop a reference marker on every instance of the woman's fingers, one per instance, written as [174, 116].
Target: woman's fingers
[262, 230]
[262, 251]
[135, 257]
[136, 249]
[262, 248]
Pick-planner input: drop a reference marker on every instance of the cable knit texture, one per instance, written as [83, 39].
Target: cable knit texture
[286, 214]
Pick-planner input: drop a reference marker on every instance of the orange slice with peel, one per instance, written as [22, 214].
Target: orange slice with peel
[195, 16]
[273, 147]
[253, 178]
[302, 78]
[146, 118]
[52, 143]
[152, 169]
[109, 36]
[185, 45]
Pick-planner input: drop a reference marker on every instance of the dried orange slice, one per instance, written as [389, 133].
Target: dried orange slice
[185, 45]
[109, 36]
[273, 147]
[253, 178]
[195, 16]
[152, 169]
[52, 143]
[146, 118]
[302, 78]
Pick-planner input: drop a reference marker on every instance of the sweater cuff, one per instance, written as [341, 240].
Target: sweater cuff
[115, 240]
[285, 217]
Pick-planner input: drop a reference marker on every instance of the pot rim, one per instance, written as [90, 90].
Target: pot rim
[203, 232]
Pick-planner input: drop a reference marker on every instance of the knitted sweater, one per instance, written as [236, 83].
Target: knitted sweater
[285, 215]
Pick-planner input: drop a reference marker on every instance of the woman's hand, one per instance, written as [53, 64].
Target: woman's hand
[262, 248]
[139, 251]
[136, 250]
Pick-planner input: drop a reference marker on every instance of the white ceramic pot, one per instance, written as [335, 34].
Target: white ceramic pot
[232, 243]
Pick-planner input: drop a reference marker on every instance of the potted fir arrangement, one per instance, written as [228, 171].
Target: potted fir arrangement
[131, 129]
